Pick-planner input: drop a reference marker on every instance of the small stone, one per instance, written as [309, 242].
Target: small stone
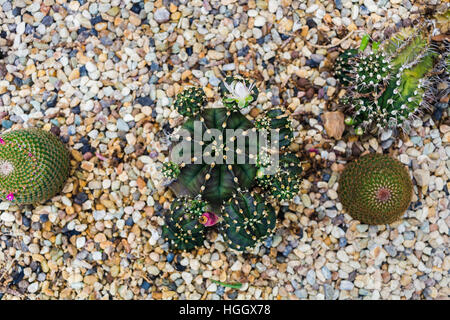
[161, 15]
[422, 177]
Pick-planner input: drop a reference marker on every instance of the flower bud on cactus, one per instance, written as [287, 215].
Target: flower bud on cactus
[183, 228]
[190, 101]
[386, 86]
[247, 220]
[34, 165]
[375, 189]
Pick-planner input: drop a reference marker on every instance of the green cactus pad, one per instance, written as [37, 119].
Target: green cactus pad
[183, 229]
[247, 220]
[229, 98]
[217, 182]
[34, 165]
[375, 189]
[190, 101]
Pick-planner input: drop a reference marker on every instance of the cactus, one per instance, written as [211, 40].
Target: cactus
[276, 119]
[220, 183]
[386, 86]
[217, 182]
[190, 101]
[183, 226]
[237, 93]
[247, 220]
[34, 165]
[284, 184]
[171, 170]
[375, 189]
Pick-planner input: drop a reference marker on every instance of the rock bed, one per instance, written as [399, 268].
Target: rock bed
[103, 76]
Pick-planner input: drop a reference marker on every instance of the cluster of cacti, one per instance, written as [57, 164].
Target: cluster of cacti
[235, 168]
[386, 85]
[375, 189]
[34, 165]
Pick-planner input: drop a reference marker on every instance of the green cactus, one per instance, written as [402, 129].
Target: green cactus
[237, 93]
[247, 220]
[375, 189]
[190, 101]
[216, 179]
[34, 165]
[217, 182]
[277, 119]
[183, 228]
[285, 183]
[386, 86]
[171, 170]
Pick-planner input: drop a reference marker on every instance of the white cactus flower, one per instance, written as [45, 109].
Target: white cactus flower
[239, 93]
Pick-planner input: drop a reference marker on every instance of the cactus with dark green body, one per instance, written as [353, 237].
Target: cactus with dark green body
[386, 86]
[34, 165]
[183, 228]
[190, 101]
[226, 187]
[375, 189]
[247, 220]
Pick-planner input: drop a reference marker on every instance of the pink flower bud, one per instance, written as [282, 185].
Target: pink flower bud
[10, 196]
[209, 219]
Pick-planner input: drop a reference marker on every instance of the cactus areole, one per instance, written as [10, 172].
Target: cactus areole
[34, 166]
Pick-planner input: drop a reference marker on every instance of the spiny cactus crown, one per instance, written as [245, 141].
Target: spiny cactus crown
[375, 189]
[386, 86]
[34, 165]
[190, 101]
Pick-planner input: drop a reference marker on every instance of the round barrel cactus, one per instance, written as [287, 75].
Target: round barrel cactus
[247, 220]
[375, 189]
[34, 165]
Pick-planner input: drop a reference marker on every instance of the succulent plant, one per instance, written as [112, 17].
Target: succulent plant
[225, 176]
[171, 170]
[278, 120]
[285, 183]
[387, 84]
[183, 228]
[375, 189]
[34, 165]
[190, 101]
[247, 220]
[217, 182]
[237, 93]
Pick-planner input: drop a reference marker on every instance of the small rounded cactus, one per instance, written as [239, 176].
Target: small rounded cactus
[190, 101]
[247, 220]
[276, 119]
[184, 226]
[375, 189]
[34, 165]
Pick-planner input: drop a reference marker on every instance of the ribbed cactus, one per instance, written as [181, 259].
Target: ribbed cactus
[183, 226]
[386, 86]
[247, 220]
[226, 150]
[190, 101]
[217, 182]
[34, 165]
[375, 189]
